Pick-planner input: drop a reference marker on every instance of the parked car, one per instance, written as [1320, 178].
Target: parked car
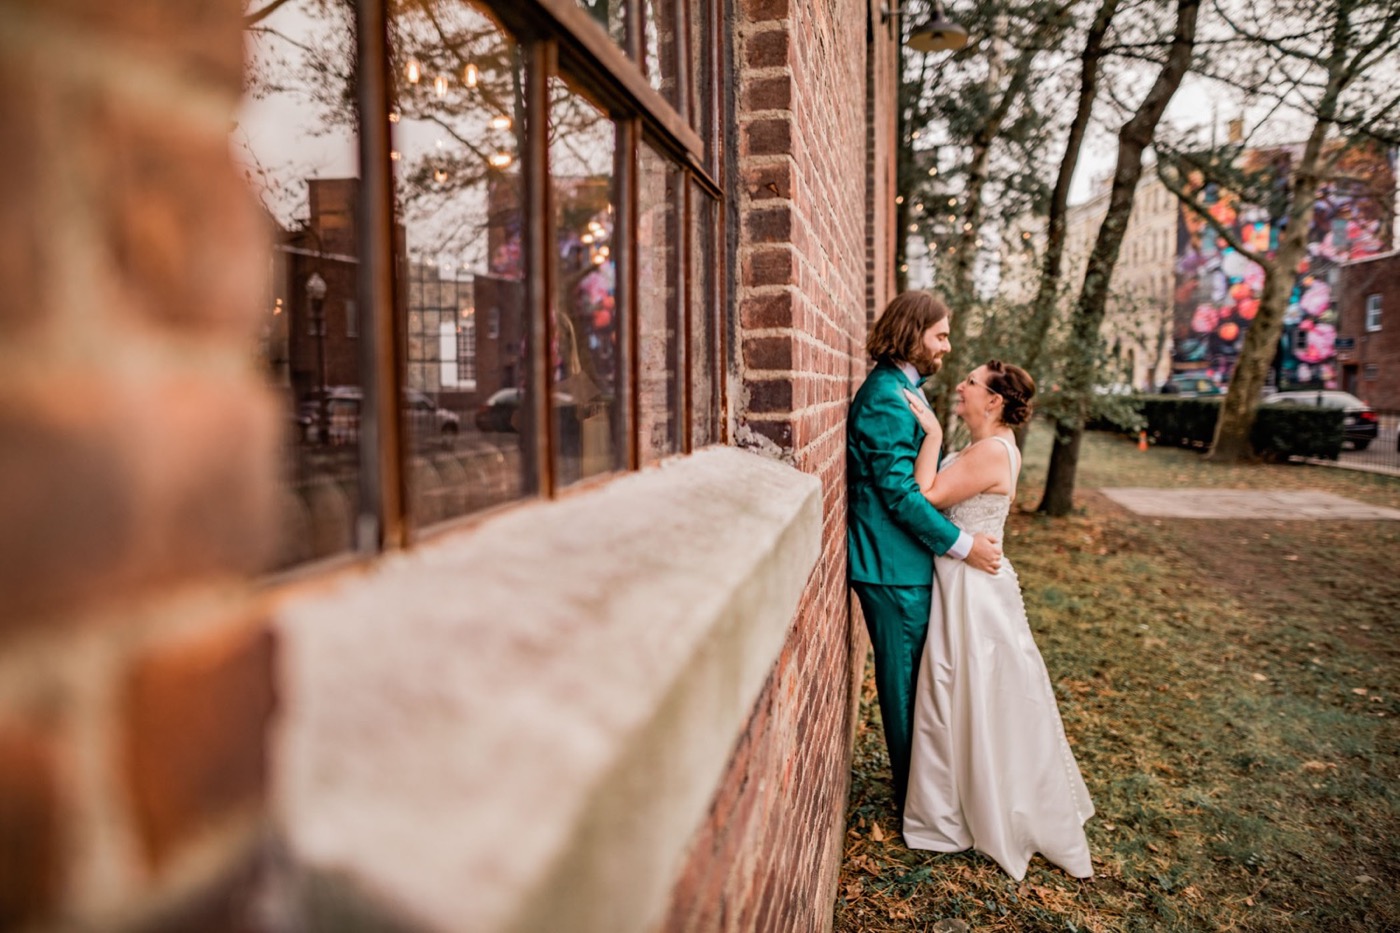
[1190, 385]
[498, 412]
[423, 418]
[1360, 424]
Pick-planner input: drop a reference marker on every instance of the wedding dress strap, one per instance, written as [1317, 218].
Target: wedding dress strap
[1012, 459]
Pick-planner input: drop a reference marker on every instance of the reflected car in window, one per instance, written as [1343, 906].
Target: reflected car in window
[499, 412]
[424, 419]
[1360, 424]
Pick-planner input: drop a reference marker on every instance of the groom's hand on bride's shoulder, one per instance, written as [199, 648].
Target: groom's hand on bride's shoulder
[985, 554]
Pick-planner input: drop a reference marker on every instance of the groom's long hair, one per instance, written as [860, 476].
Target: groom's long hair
[897, 335]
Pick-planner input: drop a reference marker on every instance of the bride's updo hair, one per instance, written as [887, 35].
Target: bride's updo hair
[1016, 388]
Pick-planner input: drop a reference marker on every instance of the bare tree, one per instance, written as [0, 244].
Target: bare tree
[1083, 352]
[1341, 79]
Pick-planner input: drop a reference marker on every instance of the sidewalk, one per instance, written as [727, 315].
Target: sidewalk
[1309, 504]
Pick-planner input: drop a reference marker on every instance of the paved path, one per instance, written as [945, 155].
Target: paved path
[1246, 503]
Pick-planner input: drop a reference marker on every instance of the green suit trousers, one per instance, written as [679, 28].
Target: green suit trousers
[897, 619]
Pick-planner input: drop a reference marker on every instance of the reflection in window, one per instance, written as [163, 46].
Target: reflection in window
[584, 358]
[611, 15]
[459, 87]
[661, 47]
[658, 306]
[704, 333]
[703, 99]
[298, 152]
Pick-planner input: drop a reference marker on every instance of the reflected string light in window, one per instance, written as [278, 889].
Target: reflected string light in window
[413, 71]
[470, 75]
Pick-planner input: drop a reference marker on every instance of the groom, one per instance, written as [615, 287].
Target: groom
[893, 532]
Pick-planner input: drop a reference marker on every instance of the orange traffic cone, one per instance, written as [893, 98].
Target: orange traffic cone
[1142, 440]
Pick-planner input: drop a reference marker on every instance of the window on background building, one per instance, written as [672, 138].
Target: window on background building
[607, 308]
[1373, 313]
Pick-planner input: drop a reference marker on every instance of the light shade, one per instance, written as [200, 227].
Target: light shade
[939, 34]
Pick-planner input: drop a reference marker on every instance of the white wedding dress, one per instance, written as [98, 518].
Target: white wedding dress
[990, 768]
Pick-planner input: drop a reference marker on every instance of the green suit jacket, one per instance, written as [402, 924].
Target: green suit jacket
[892, 532]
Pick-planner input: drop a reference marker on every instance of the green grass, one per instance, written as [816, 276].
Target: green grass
[1230, 689]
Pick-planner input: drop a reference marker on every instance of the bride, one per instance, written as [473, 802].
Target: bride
[991, 768]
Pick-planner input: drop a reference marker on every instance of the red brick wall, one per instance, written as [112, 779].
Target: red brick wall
[1379, 348]
[812, 257]
[137, 465]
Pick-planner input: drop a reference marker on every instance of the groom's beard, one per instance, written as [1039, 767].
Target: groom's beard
[924, 364]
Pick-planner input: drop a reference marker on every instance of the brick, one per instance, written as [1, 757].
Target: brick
[770, 395]
[779, 432]
[768, 353]
[763, 182]
[116, 487]
[767, 49]
[768, 310]
[760, 11]
[768, 137]
[194, 40]
[26, 252]
[195, 718]
[30, 845]
[771, 266]
[769, 226]
[179, 226]
[769, 93]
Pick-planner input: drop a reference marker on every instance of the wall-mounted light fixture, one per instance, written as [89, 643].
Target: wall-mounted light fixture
[936, 34]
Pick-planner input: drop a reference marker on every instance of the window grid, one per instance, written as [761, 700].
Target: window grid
[1373, 313]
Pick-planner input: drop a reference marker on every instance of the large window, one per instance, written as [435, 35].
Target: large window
[1373, 313]
[497, 256]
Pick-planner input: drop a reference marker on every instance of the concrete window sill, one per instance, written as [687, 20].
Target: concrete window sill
[521, 726]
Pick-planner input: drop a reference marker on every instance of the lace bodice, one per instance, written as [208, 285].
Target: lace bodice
[985, 512]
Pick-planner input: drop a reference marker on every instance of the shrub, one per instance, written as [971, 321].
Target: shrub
[1280, 431]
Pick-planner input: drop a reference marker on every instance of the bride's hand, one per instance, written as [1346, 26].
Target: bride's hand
[919, 406]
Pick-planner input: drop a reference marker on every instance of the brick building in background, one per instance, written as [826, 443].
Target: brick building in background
[594, 667]
[1368, 349]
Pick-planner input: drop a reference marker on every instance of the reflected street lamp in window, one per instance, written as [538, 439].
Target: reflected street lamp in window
[316, 300]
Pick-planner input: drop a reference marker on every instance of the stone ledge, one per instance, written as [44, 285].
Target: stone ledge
[520, 727]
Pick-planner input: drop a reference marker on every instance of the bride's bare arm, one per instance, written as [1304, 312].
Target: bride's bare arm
[979, 468]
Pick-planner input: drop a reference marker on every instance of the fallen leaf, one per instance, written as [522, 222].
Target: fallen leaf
[1359, 691]
[1314, 766]
[875, 832]
[1364, 879]
[1153, 848]
[1291, 557]
[1261, 676]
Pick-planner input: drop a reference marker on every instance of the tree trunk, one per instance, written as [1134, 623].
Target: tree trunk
[1240, 409]
[1133, 140]
[1043, 307]
[1064, 462]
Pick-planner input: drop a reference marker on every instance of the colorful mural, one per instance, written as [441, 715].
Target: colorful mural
[1218, 289]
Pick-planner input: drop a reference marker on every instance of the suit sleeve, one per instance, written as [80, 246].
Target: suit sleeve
[884, 434]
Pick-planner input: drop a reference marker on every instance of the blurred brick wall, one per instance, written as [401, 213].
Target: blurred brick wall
[811, 258]
[137, 451]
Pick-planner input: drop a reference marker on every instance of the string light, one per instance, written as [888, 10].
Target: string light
[469, 75]
[501, 160]
[899, 199]
[440, 175]
[500, 122]
[440, 86]
[413, 71]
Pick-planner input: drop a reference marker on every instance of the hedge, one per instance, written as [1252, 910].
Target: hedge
[1280, 431]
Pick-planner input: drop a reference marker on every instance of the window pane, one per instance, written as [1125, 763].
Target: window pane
[702, 64]
[611, 15]
[658, 306]
[705, 320]
[661, 46]
[585, 364]
[295, 138]
[459, 91]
